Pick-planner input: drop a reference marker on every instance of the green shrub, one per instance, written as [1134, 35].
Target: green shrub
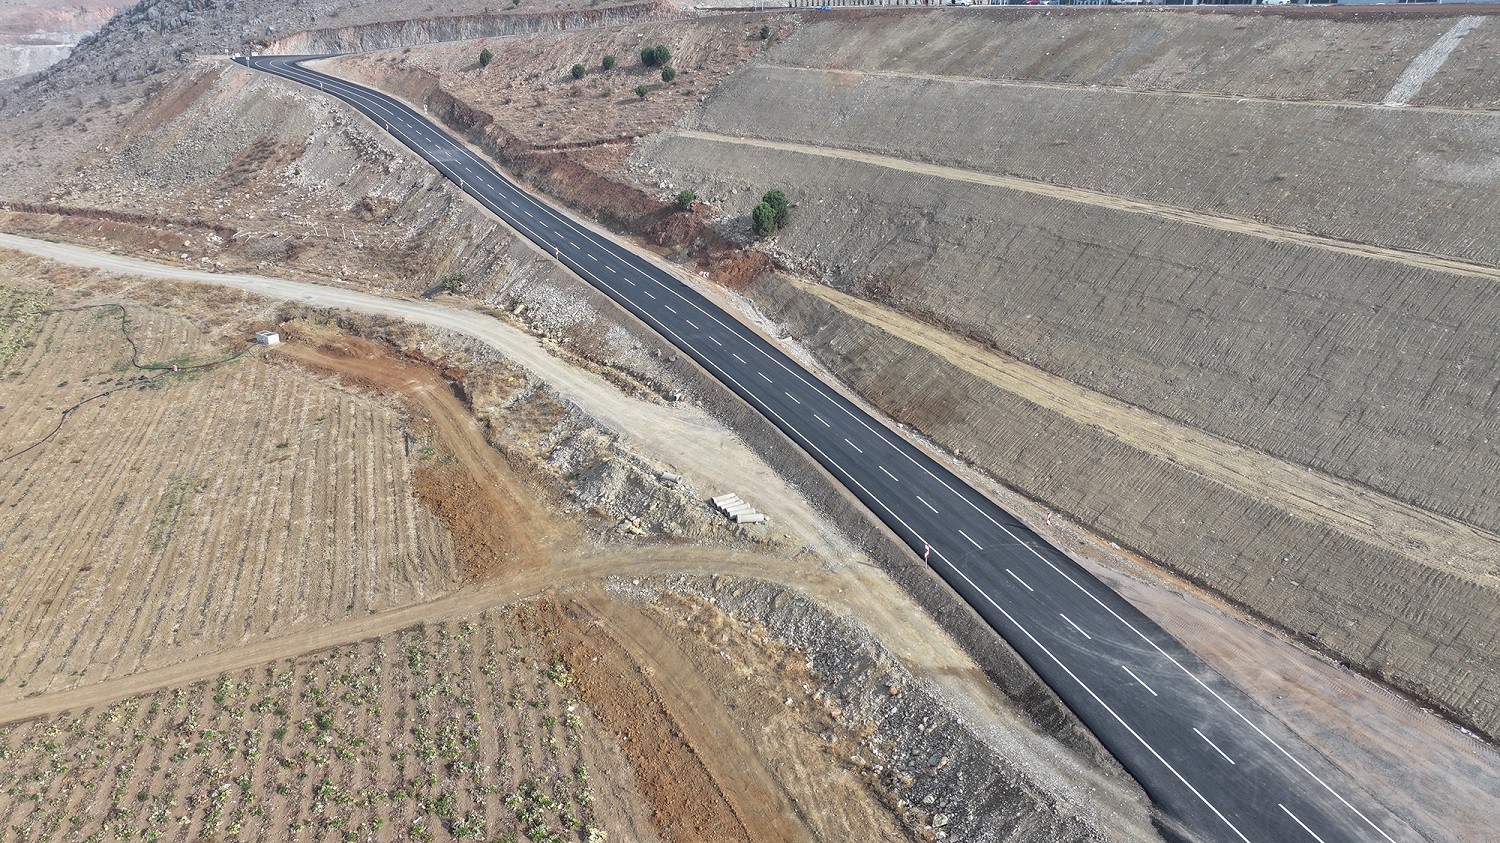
[485, 57]
[641, 91]
[685, 200]
[777, 200]
[763, 218]
[668, 73]
[657, 56]
[608, 63]
[765, 33]
[578, 71]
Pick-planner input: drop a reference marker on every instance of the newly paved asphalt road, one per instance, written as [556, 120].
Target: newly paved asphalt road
[1216, 765]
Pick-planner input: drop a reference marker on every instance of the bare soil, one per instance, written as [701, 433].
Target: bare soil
[675, 675]
[652, 673]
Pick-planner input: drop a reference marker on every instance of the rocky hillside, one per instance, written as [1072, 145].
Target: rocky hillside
[36, 34]
[1216, 221]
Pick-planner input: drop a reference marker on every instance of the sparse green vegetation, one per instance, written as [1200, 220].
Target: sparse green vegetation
[668, 73]
[658, 56]
[772, 214]
[307, 749]
[485, 57]
[685, 200]
[763, 219]
[578, 71]
[454, 282]
[777, 200]
[178, 491]
[765, 32]
[20, 316]
[608, 63]
[641, 91]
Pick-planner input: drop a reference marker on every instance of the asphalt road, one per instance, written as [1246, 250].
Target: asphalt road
[1217, 766]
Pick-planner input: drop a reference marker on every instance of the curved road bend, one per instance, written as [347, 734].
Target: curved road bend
[1205, 753]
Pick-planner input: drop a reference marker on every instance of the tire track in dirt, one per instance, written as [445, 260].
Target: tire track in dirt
[736, 770]
[1234, 225]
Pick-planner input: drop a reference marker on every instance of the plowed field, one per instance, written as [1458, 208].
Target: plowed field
[193, 510]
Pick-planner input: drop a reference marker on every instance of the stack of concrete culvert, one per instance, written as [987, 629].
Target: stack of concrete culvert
[737, 510]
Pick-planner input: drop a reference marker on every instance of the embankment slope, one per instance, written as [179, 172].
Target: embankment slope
[1340, 349]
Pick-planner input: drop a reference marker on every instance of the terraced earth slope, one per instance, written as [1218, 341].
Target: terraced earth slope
[1214, 222]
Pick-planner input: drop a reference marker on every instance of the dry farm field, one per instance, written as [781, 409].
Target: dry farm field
[186, 511]
[463, 730]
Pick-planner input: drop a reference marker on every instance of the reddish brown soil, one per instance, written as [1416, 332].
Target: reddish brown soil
[496, 517]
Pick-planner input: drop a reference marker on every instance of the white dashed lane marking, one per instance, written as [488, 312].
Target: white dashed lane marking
[1075, 626]
[1214, 745]
[1301, 823]
[1138, 679]
[1018, 579]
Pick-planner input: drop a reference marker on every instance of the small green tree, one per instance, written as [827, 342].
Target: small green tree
[578, 71]
[657, 56]
[641, 91]
[685, 200]
[608, 63]
[765, 32]
[454, 282]
[763, 219]
[777, 200]
[668, 73]
[485, 57]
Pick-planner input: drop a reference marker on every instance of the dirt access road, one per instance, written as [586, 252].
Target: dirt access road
[1095, 198]
[1447, 784]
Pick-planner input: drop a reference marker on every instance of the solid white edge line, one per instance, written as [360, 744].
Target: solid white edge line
[1090, 692]
[354, 91]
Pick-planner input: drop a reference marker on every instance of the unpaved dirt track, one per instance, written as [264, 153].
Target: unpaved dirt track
[1335, 722]
[685, 435]
[1081, 196]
